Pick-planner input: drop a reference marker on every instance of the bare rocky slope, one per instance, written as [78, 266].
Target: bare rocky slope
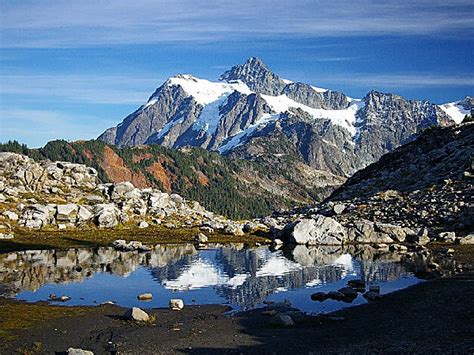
[421, 192]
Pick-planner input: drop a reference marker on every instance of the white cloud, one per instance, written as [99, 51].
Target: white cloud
[400, 80]
[102, 22]
[80, 88]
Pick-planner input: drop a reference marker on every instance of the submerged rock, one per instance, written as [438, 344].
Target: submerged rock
[319, 296]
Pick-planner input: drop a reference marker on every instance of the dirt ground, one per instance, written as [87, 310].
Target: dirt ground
[436, 316]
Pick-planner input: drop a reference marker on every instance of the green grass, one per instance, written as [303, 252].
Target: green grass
[94, 237]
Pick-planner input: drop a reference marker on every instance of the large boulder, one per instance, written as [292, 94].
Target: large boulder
[106, 215]
[36, 216]
[320, 230]
[159, 201]
[84, 214]
[10, 215]
[67, 212]
[396, 233]
[120, 189]
[363, 231]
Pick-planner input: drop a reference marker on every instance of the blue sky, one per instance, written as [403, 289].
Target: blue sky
[71, 69]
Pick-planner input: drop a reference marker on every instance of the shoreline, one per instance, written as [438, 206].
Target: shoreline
[416, 319]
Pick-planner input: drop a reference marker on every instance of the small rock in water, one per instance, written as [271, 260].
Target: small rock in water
[319, 296]
[357, 284]
[53, 297]
[137, 314]
[371, 295]
[375, 288]
[270, 312]
[145, 297]
[335, 295]
[282, 320]
[348, 292]
[73, 351]
[176, 304]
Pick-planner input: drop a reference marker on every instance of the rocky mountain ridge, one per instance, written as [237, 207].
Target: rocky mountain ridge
[331, 131]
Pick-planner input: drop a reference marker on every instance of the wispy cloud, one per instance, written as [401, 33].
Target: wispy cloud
[103, 22]
[80, 88]
[370, 81]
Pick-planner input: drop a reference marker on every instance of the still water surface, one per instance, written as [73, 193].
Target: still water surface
[240, 277]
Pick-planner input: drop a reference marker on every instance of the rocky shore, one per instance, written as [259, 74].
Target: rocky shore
[421, 192]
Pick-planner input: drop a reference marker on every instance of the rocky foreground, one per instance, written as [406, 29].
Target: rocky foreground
[67, 196]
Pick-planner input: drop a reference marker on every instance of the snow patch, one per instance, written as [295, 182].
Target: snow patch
[238, 139]
[209, 118]
[150, 103]
[205, 91]
[345, 118]
[455, 111]
[315, 88]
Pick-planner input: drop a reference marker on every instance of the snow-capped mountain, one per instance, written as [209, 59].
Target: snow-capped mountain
[252, 112]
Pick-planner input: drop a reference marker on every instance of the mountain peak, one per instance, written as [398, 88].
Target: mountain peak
[256, 75]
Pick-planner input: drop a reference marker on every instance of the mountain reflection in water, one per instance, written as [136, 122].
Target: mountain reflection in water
[227, 274]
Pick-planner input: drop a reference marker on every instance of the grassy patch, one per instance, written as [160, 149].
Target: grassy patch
[90, 237]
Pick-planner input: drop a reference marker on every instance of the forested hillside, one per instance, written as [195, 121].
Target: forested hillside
[233, 187]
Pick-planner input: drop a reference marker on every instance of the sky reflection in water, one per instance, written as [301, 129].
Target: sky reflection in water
[240, 277]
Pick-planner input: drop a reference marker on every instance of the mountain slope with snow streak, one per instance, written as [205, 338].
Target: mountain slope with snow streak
[251, 106]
